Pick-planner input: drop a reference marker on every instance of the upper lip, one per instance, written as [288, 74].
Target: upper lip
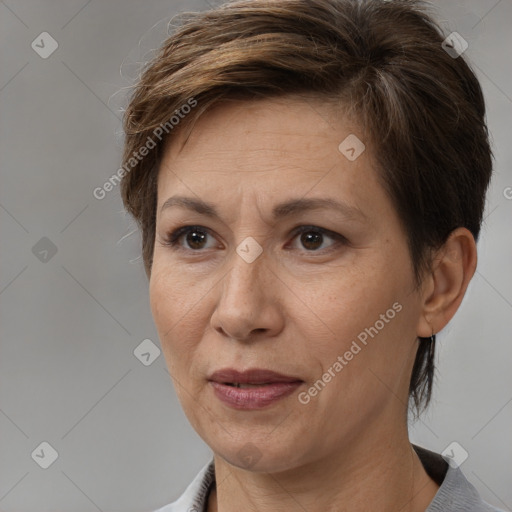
[250, 376]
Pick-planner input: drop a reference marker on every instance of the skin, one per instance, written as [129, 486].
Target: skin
[296, 308]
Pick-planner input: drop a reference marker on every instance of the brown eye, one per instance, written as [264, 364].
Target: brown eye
[195, 239]
[194, 236]
[312, 238]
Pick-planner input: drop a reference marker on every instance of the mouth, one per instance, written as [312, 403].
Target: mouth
[244, 386]
[252, 389]
[251, 377]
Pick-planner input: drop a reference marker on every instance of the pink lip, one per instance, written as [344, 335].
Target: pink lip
[274, 386]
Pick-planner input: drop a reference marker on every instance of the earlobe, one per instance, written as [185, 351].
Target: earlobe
[453, 268]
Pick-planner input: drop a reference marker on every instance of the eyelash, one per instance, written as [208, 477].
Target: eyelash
[172, 239]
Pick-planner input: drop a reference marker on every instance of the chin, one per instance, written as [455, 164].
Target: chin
[260, 457]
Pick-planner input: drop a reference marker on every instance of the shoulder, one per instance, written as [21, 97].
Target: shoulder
[456, 493]
[194, 497]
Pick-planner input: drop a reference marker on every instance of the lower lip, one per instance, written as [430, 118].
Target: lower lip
[254, 397]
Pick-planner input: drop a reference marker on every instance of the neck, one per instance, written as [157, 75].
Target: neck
[385, 476]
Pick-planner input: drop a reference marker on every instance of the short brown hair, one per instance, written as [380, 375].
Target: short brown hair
[422, 109]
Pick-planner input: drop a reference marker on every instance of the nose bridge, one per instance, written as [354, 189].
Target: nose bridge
[248, 260]
[245, 277]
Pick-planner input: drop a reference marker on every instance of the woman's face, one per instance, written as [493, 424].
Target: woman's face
[332, 310]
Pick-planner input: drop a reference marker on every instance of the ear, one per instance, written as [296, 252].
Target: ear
[445, 286]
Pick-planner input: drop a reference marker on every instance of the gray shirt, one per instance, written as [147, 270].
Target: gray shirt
[455, 493]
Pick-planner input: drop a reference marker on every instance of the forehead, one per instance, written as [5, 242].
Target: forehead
[282, 124]
[268, 148]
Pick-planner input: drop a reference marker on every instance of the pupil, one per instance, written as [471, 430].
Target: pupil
[308, 238]
[192, 243]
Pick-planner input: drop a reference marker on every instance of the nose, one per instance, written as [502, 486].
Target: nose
[248, 302]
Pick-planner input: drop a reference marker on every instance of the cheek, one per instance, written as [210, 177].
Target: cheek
[178, 309]
[168, 307]
[353, 299]
[160, 299]
[367, 316]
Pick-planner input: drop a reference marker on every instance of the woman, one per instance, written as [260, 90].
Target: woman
[309, 178]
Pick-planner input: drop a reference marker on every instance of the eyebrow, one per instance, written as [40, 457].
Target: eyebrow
[279, 211]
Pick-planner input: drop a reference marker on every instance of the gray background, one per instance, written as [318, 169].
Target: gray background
[70, 322]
